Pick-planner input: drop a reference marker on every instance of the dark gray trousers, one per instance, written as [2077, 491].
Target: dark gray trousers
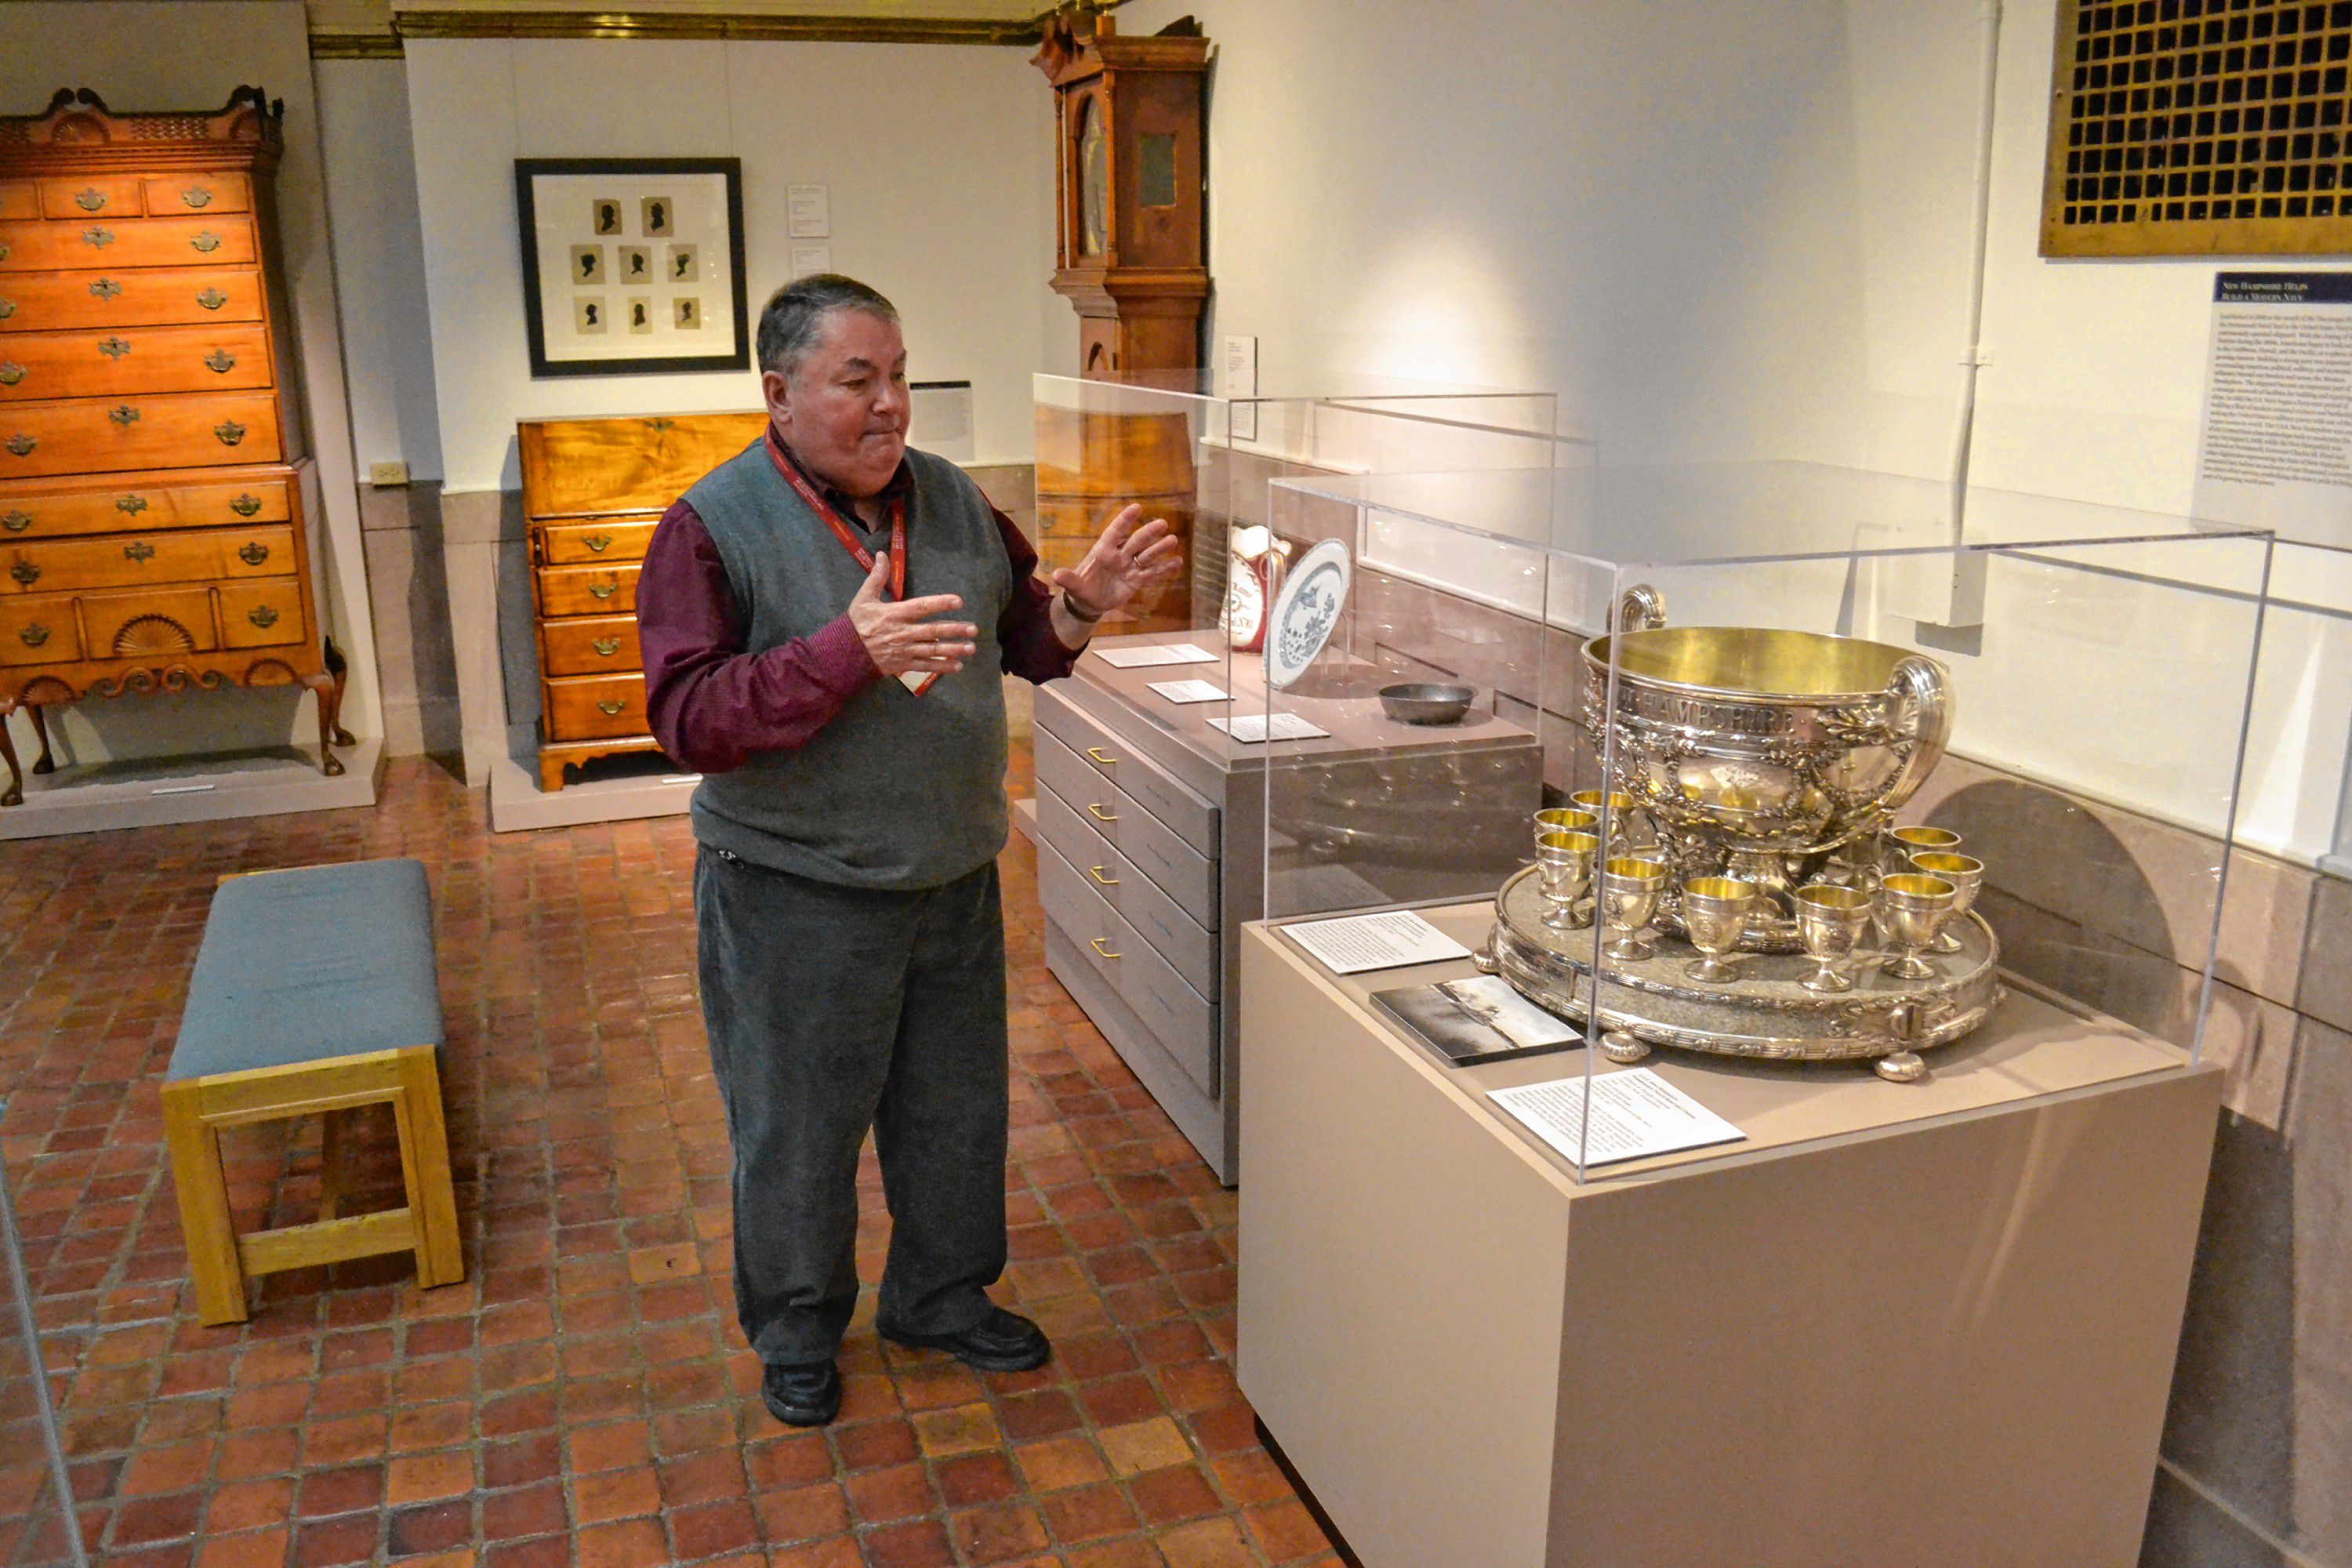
[831, 1010]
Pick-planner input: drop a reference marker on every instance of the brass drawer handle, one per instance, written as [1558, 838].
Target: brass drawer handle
[114, 348]
[599, 543]
[262, 616]
[1097, 943]
[17, 521]
[196, 196]
[90, 200]
[229, 431]
[245, 505]
[33, 633]
[1099, 815]
[220, 361]
[207, 242]
[211, 299]
[106, 289]
[25, 572]
[130, 505]
[606, 647]
[253, 554]
[610, 709]
[10, 372]
[1098, 755]
[602, 590]
[7, 308]
[98, 239]
[123, 414]
[139, 549]
[1101, 881]
[22, 444]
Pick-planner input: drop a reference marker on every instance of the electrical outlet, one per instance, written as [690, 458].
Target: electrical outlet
[385, 476]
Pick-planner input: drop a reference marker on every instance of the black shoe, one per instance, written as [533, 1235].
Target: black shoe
[802, 1394]
[1001, 1342]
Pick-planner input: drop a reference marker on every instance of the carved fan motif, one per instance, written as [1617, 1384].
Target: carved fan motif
[147, 636]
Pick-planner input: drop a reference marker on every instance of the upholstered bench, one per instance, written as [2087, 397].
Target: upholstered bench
[315, 993]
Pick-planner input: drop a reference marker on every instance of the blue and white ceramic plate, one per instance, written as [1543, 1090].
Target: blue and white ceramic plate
[1306, 612]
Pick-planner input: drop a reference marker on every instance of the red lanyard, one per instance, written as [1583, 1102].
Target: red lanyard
[849, 542]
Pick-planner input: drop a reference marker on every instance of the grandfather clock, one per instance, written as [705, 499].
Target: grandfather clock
[1129, 250]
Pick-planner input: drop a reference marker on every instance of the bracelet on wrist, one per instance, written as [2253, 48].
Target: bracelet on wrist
[1089, 617]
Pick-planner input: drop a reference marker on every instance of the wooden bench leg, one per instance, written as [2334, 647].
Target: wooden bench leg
[333, 1176]
[205, 1221]
[425, 1167]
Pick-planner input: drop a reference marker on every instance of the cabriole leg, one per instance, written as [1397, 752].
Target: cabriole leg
[339, 667]
[43, 765]
[14, 794]
[322, 687]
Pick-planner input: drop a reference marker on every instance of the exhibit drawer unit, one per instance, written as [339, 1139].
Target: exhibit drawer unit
[1151, 849]
[153, 534]
[592, 490]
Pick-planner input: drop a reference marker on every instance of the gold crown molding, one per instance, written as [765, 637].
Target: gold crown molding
[748, 27]
[383, 46]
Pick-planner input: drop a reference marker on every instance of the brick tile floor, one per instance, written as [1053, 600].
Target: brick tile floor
[585, 1397]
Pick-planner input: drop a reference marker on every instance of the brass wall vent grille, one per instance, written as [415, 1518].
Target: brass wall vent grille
[2200, 127]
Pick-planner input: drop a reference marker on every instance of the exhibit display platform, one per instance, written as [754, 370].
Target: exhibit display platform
[160, 791]
[1928, 1323]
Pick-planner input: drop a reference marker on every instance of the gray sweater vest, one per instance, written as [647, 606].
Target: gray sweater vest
[896, 791]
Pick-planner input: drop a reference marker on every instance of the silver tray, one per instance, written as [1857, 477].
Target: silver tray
[1764, 1011]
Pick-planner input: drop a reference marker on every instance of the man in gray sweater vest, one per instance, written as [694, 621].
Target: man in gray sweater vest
[826, 618]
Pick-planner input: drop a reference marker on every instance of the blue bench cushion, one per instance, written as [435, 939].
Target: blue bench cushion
[297, 966]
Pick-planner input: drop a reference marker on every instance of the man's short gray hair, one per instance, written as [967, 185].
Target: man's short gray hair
[794, 317]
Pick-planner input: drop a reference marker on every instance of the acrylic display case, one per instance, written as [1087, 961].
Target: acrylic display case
[1148, 806]
[2048, 699]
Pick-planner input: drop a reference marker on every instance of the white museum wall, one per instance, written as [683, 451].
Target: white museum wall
[937, 159]
[1727, 233]
[151, 55]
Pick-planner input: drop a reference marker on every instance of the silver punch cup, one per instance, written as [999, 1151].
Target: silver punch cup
[1831, 919]
[1965, 872]
[1628, 898]
[1912, 911]
[1715, 916]
[1563, 871]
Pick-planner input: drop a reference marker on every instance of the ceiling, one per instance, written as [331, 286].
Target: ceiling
[363, 29]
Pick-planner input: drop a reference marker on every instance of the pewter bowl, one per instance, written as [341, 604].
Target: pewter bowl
[1427, 702]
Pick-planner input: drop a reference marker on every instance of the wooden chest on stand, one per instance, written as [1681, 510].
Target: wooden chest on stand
[152, 530]
[592, 490]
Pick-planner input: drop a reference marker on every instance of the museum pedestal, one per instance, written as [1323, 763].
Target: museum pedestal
[1927, 1324]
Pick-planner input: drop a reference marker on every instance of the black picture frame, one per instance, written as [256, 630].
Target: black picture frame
[529, 170]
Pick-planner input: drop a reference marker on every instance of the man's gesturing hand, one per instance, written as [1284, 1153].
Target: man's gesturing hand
[899, 639]
[1131, 556]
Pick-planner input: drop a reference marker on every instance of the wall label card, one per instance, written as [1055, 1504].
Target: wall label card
[1162, 653]
[1189, 690]
[1390, 940]
[2276, 447]
[1634, 1114]
[808, 212]
[1250, 728]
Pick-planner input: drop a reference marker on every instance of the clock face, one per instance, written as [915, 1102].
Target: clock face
[1094, 180]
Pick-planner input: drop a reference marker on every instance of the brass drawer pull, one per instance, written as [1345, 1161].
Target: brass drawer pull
[262, 616]
[245, 505]
[1101, 881]
[1099, 815]
[229, 431]
[98, 239]
[7, 308]
[114, 348]
[123, 414]
[139, 549]
[599, 543]
[17, 521]
[196, 196]
[610, 709]
[206, 242]
[25, 572]
[253, 554]
[10, 372]
[211, 299]
[602, 590]
[1097, 943]
[130, 505]
[90, 200]
[606, 647]
[22, 444]
[106, 289]
[220, 361]
[1098, 755]
[33, 633]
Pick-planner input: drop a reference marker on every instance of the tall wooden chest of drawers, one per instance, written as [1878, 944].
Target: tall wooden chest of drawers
[152, 532]
[1151, 849]
[591, 491]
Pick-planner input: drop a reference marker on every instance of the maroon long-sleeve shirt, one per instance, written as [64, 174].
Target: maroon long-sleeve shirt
[712, 705]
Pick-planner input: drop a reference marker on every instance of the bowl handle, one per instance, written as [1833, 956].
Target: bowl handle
[1923, 716]
[1640, 608]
